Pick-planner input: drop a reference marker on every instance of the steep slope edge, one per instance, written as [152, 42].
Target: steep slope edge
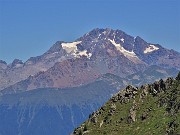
[149, 109]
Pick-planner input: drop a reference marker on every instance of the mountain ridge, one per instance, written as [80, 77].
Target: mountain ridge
[104, 48]
[52, 110]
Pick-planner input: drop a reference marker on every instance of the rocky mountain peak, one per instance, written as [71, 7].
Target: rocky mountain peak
[105, 48]
[56, 47]
[100, 42]
[3, 64]
[17, 63]
[106, 41]
[103, 34]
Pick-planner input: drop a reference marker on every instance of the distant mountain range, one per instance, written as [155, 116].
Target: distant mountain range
[90, 70]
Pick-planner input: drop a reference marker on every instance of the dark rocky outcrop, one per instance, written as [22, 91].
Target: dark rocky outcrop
[16, 62]
[3, 62]
[3, 65]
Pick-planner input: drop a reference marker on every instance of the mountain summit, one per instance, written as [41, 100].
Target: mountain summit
[98, 52]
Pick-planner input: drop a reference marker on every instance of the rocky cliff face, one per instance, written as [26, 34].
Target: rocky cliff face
[151, 108]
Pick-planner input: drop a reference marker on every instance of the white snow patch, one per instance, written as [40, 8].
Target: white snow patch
[122, 50]
[84, 53]
[71, 48]
[89, 55]
[114, 37]
[87, 34]
[122, 39]
[18, 65]
[55, 53]
[104, 32]
[150, 48]
[99, 35]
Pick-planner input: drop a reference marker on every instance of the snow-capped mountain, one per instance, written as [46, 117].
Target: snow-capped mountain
[98, 52]
[55, 92]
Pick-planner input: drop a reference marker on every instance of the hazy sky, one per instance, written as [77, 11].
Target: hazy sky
[30, 27]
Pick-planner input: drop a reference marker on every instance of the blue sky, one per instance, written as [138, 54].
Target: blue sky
[30, 27]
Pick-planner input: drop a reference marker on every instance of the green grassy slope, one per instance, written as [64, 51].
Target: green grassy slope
[150, 109]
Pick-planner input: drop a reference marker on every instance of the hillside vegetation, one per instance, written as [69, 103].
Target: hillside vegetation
[149, 109]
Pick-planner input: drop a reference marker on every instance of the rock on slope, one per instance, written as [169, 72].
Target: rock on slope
[149, 109]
